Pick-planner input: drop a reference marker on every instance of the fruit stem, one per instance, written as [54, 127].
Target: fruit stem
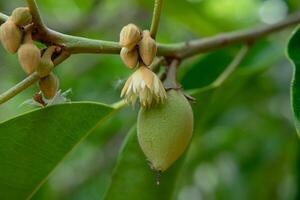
[27, 38]
[171, 79]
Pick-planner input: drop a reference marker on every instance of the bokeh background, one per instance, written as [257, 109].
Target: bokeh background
[244, 144]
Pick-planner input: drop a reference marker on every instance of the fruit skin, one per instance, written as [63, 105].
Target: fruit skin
[147, 48]
[49, 85]
[130, 58]
[29, 55]
[21, 16]
[11, 36]
[165, 130]
[130, 35]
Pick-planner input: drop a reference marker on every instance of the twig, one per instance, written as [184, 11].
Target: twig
[194, 47]
[73, 45]
[171, 78]
[156, 64]
[156, 17]
[37, 19]
[28, 81]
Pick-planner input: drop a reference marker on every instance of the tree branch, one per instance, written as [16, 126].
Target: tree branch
[74, 45]
[29, 80]
[194, 47]
[36, 18]
[156, 17]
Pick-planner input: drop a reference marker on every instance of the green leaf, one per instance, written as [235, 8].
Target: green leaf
[294, 55]
[133, 179]
[33, 144]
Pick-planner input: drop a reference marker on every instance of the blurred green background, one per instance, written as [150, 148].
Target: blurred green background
[244, 144]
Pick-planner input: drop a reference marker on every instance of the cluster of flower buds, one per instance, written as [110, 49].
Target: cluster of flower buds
[16, 37]
[11, 34]
[139, 49]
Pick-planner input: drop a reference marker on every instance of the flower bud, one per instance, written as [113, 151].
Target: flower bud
[130, 35]
[49, 85]
[130, 58]
[11, 36]
[46, 64]
[147, 48]
[165, 130]
[145, 85]
[21, 16]
[29, 55]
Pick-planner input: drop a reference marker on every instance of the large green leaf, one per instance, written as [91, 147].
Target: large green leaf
[294, 54]
[133, 179]
[33, 144]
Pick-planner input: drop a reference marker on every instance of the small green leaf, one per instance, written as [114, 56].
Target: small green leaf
[133, 179]
[33, 144]
[294, 55]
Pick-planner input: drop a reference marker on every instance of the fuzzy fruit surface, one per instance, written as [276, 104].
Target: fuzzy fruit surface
[165, 130]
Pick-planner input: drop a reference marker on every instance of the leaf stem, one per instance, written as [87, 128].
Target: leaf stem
[156, 17]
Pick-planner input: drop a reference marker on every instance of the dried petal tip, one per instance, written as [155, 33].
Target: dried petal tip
[130, 35]
[145, 85]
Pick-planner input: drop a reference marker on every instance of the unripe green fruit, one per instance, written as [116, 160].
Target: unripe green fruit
[49, 85]
[165, 130]
[11, 36]
[21, 16]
